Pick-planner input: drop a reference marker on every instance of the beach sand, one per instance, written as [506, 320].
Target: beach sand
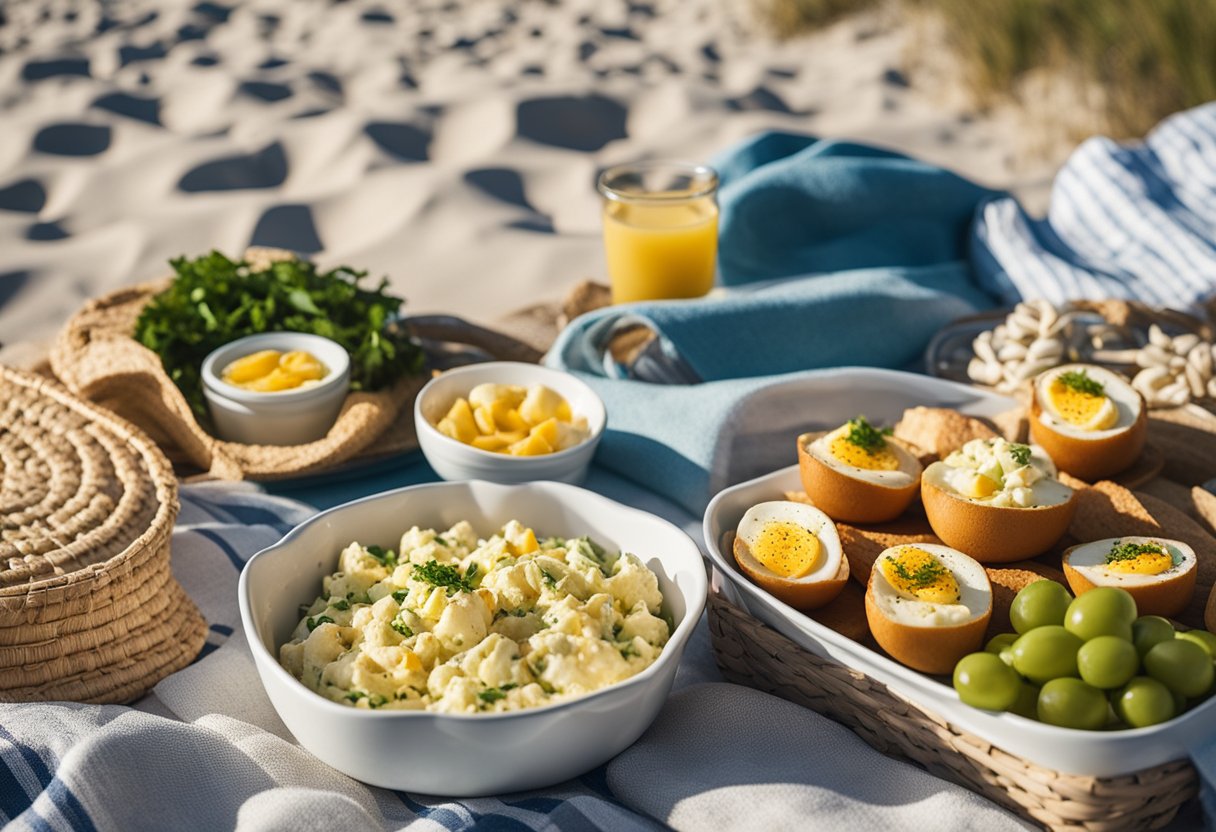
[451, 146]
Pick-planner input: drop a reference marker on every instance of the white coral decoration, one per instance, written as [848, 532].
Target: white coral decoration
[1175, 370]
[1030, 341]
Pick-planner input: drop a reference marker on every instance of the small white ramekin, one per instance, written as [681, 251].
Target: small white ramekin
[288, 417]
[456, 461]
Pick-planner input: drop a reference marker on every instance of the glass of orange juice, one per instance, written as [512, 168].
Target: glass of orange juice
[660, 229]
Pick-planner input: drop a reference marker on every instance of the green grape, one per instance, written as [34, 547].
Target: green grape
[1071, 703]
[1038, 605]
[1046, 653]
[1148, 630]
[1145, 701]
[1182, 666]
[984, 681]
[1107, 662]
[1103, 611]
[1201, 637]
[997, 644]
[1028, 702]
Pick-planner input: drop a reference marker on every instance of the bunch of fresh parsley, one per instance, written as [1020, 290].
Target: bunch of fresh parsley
[214, 300]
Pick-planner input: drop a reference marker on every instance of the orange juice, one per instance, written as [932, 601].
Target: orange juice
[660, 249]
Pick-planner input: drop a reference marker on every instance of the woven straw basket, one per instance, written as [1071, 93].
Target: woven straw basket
[750, 653]
[97, 359]
[89, 610]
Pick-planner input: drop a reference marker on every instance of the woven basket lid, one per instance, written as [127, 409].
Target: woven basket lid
[89, 610]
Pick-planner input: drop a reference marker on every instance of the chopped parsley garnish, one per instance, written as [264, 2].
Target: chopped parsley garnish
[355, 695]
[1020, 453]
[1080, 381]
[490, 695]
[926, 574]
[442, 542]
[341, 604]
[377, 700]
[386, 556]
[628, 651]
[519, 613]
[442, 575]
[1131, 551]
[470, 572]
[400, 595]
[549, 579]
[358, 598]
[866, 436]
[314, 623]
[401, 627]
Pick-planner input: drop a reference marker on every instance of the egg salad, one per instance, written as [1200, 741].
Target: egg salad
[1001, 473]
[457, 624]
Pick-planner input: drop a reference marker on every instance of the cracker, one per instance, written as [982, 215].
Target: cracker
[939, 431]
[1205, 506]
[799, 497]
[1007, 581]
[1188, 443]
[1108, 510]
[1013, 424]
[863, 544]
[1176, 494]
[846, 614]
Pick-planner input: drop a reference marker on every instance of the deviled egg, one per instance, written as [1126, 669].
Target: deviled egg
[857, 473]
[998, 501]
[793, 551]
[1090, 420]
[1158, 573]
[928, 605]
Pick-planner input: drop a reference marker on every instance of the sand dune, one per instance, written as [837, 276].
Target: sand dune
[450, 145]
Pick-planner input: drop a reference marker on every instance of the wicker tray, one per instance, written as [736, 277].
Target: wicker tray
[89, 609]
[750, 653]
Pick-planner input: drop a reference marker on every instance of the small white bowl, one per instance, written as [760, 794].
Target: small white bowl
[289, 417]
[467, 755]
[455, 460]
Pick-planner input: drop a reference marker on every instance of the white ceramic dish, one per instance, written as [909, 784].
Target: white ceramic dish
[882, 395]
[454, 460]
[479, 754]
[288, 417]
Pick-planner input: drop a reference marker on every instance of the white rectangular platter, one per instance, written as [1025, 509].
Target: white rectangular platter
[827, 400]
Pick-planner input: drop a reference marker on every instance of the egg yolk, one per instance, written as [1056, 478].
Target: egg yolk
[269, 371]
[1082, 409]
[1146, 560]
[881, 459]
[786, 549]
[919, 575]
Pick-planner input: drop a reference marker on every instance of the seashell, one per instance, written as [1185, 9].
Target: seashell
[1158, 338]
[1200, 357]
[1194, 381]
[1151, 379]
[1212, 388]
[1012, 351]
[1029, 369]
[983, 349]
[1044, 349]
[1183, 344]
[984, 372]
[1176, 363]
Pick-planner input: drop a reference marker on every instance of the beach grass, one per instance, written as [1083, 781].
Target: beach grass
[1140, 59]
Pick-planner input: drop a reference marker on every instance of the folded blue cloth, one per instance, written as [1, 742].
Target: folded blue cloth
[888, 236]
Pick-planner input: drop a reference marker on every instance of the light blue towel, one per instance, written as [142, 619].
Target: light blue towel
[834, 253]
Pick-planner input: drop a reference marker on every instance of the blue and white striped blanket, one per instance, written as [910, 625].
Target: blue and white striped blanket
[205, 751]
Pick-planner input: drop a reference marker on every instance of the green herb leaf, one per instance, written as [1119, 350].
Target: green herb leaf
[1020, 453]
[314, 623]
[377, 700]
[355, 695]
[214, 300]
[1131, 551]
[386, 556]
[866, 436]
[924, 575]
[470, 573]
[341, 604]
[442, 575]
[549, 579]
[401, 627]
[490, 695]
[399, 596]
[1080, 381]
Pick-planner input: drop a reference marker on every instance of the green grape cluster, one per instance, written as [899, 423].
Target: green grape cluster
[1088, 662]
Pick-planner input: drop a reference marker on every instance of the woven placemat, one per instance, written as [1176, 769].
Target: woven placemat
[89, 610]
[750, 653]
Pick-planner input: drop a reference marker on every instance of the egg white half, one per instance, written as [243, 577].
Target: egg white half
[1090, 560]
[908, 471]
[1124, 397]
[799, 514]
[975, 592]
